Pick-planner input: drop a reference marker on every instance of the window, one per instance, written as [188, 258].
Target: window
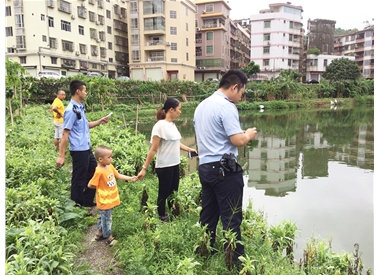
[51, 22]
[187, 11]
[173, 30]
[210, 49]
[187, 56]
[110, 45]
[65, 26]
[173, 14]
[110, 59]
[91, 16]
[173, 60]
[266, 49]
[93, 33]
[81, 30]
[19, 20]
[290, 37]
[64, 6]
[210, 35]
[8, 31]
[133, 7]
[22, 59]
[101, 19]
[266, 62]
[53, 43]
[53, 60]
[187, 41]
[135, 40]
[8, 11]
[102, 36]
[135, 55]
[108, 14]
[94, 50]
[325, 62]
[266, 24]
[109, 30]
[209, 7]
[44, 38]
[83, 48]
[291, 24]
[42, 17]
[289, 62]
[173, 46]
[82, 12]
[266, 36]
[67, 46]
[187, 26]
[134, 23]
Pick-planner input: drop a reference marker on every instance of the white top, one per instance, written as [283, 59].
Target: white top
[168, 152]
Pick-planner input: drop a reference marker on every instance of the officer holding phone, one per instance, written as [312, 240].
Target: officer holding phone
[218, 134]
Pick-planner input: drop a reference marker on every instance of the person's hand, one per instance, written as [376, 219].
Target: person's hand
[141, 175]
[134, 178]
[104, 120]
[60, 162]
[251, 132]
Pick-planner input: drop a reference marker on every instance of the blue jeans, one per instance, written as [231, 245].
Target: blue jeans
[105, 222]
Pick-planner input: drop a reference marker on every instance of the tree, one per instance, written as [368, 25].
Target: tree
[251, 70]
[13, 81]
[315, 51]
[342, 69]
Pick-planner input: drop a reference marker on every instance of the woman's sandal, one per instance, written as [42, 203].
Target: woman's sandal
[111, 241]
[99, 237]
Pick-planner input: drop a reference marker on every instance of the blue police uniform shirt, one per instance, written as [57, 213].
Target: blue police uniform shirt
[216, 119]
[79, 137]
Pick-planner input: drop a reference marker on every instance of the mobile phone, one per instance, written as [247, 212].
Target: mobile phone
[192, 154]
[109, 114]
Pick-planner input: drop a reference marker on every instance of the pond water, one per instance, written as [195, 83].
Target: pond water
[312, 167]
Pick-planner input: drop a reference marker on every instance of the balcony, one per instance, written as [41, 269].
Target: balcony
[155, 45]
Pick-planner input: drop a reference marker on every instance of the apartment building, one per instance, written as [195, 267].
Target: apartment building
[212, 38]
[240, 44]
[161, 39]
[68, 37]
[359, 45]
[277, 38]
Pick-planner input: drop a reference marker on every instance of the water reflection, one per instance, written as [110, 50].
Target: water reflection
[313, 167]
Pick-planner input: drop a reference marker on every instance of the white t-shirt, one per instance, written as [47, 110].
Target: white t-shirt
[168, 152]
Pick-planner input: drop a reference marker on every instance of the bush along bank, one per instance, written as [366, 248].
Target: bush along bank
[44, 229]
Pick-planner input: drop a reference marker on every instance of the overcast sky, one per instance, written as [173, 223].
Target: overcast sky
[347, 14]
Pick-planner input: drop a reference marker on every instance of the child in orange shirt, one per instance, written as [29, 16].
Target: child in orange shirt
[107, 194]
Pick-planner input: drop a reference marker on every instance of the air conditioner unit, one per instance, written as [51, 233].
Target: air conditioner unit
[168, 43]
[149, 59]
[98, 40]
[73, 16]
[77, 52]
[198, 29]
[83, 4]
[268, 43]
[204, 11]
[121, 16]
[97, 22]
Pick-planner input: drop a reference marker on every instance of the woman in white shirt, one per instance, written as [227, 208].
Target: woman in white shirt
[166, 143]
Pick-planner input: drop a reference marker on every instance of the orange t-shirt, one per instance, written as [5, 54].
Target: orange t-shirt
[107, 194]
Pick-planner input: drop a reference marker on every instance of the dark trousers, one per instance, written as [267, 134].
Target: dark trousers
[222, 198]
[168, 182]
[84, 165]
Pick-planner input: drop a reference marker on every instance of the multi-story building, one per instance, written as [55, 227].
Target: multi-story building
[68, 37]
[240, 44]
[277, 38]
[360, 45]
[161, 39]
[212, 38]
[321, 35]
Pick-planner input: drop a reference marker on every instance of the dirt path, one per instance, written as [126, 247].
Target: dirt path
[97, 254]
